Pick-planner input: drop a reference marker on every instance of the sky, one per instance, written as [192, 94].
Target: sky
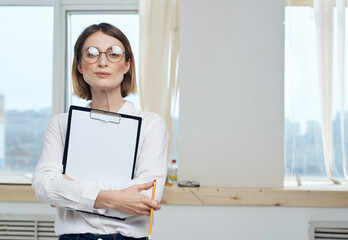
[26, 62]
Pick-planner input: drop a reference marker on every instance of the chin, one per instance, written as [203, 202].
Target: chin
[107, 86]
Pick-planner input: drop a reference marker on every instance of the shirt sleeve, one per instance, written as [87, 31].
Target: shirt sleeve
[152, 160]
[48, 182]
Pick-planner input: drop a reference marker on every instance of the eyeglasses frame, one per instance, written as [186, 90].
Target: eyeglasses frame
[81, 55]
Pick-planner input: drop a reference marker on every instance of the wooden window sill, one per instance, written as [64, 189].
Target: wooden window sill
[309, 195]
[289, 196]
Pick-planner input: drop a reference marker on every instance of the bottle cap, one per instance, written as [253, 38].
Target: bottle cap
[173, 161]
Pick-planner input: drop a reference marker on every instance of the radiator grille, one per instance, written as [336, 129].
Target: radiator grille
[27, 227]
[328, 230]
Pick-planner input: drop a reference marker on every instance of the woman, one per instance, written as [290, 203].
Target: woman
[104, 72]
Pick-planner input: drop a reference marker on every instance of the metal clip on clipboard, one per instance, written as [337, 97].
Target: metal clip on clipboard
[105, 116]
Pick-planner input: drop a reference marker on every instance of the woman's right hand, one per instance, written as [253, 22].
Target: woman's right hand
[128, 200]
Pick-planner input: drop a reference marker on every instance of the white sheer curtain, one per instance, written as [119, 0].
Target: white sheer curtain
[159, 49]
[342, 69]
[324, 17]
[303, 143]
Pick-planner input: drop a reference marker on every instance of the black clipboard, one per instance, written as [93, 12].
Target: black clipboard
[101, 147]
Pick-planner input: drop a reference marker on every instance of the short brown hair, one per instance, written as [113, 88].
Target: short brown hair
[81, 88]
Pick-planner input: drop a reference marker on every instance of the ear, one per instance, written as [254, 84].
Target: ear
[79, 68]
[127, 66]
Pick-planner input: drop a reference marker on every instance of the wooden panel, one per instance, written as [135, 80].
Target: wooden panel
[272, 197]
[180, 196]
[17, 193]
[220, 196]
[289, 197]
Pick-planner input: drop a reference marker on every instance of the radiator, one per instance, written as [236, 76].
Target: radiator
[27, 227]
[328, 230]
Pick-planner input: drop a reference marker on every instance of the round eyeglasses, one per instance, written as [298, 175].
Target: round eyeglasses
[91, 54]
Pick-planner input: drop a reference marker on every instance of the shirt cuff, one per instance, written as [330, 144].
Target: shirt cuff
[88, 197]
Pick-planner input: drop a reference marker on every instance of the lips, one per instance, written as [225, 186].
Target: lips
[102, 74]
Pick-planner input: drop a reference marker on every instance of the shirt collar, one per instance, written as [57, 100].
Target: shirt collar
[127, 107]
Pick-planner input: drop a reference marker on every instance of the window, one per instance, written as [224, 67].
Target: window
[25, 86]
[303, 130]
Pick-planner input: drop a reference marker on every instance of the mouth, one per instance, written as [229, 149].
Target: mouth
[102, 74]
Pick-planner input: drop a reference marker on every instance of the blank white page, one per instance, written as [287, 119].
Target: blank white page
[99, 151]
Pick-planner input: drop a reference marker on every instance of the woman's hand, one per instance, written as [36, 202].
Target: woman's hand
[128, 200]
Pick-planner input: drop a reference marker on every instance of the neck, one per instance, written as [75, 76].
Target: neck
[105, 100]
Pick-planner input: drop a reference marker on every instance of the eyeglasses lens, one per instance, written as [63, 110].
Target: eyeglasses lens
[114, 54]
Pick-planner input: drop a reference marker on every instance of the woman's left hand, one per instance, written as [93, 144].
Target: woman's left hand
[128, 200]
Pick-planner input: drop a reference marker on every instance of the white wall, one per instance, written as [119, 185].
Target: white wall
[231, 92]
[212, 222]
[26, 208]
[239, 223]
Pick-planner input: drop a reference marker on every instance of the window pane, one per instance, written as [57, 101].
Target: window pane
[25, 85]
[303, 144]
[303, 139]
[127, 23]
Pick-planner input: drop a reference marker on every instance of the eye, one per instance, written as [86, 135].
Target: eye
[114, 55]
[91, 54]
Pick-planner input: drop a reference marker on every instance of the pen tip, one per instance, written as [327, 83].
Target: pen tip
[149, 237]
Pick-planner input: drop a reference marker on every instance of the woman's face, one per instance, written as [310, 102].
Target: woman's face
[103, 75]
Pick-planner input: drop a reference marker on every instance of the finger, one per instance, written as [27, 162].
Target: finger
[53, 205]
[145, 186]
[152, 204]
[158, 207]
[144, 207]
[155, 204]
[144, 212]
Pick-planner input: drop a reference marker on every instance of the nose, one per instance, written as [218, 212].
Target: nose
[102, 61]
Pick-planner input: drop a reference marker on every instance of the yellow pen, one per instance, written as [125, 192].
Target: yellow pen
[151, 214]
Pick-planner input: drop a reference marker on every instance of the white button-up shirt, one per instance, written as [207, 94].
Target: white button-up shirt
[50, 186]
